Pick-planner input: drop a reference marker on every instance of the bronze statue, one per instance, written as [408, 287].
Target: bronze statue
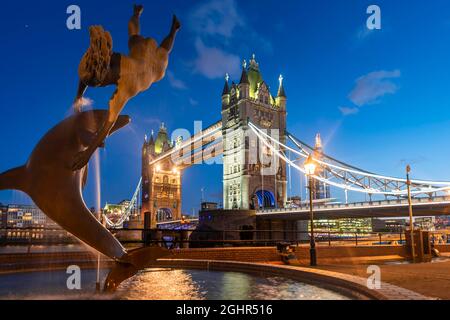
[56, 171]
[56, 189]
[132, 74]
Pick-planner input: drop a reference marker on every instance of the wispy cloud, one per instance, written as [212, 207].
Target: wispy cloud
[213, 62]
[372, 86]
[216, 17]
[369, 89]
[221, 20]
[152, 122]
[174, 82]
[364, 32]
[193, 102]
[346, 111]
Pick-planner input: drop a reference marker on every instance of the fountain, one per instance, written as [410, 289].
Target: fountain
[56, 172]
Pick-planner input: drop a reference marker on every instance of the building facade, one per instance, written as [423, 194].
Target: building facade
[252, 177]
[161, 183]
[28, 222]
[3, 216]
[3, 220]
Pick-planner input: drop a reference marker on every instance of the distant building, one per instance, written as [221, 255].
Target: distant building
[344, 226]
[425, 223]
[3, 216]
[210, 205]
[25, 216]
[28, 222]
[400, 224]
[3, 220]
[389, 225]
[442, 222]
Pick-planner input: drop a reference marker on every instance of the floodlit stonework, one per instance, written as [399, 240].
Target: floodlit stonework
[250, 100]
[161, 183]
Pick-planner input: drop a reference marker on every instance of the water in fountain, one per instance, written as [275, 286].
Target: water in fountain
[177, 284]
[97, 205]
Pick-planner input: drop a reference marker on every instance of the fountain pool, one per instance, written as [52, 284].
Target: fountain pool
[163, 284]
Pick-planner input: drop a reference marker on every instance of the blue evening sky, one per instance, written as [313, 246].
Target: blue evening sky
[380, 98]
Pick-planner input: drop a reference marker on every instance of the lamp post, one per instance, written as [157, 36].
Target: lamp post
[310, 168]
[411, 222]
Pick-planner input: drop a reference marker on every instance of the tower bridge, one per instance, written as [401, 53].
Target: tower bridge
[257, 150]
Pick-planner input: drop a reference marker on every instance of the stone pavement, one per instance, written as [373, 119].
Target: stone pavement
[429, 279]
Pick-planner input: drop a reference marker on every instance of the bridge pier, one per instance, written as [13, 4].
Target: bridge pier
[243, 227]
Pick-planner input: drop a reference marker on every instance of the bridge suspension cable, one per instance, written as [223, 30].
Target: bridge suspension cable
[128, 210]
[338, 174]
[199, 137]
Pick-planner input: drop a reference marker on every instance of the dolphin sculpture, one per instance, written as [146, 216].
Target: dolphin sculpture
[56, 189]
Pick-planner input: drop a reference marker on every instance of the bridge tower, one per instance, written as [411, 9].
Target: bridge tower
[244, 187]
[320, 190]
[161, 183]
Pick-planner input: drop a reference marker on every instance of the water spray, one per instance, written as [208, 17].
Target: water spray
[97, 209]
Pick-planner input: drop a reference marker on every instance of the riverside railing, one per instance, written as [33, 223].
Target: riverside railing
[221, 238]
[218, 238]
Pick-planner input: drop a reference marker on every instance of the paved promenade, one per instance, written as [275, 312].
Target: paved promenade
[429, 279]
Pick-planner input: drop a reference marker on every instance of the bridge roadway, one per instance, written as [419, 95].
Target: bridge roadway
[376, 209]
[422, 207]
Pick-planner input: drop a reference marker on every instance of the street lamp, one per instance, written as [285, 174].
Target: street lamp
[310, 168]
[411, 223]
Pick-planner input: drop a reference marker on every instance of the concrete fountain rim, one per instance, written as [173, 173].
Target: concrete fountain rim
[351, 286]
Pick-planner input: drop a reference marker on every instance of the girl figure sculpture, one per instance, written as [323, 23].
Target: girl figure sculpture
[134, 73]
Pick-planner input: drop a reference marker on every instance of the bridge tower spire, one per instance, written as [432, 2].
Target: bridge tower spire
[320, 189]
[226, 92]
[318, 144]
[281, 95]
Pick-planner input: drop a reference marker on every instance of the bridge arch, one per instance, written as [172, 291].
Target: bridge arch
[164, 214]
[265, 199]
